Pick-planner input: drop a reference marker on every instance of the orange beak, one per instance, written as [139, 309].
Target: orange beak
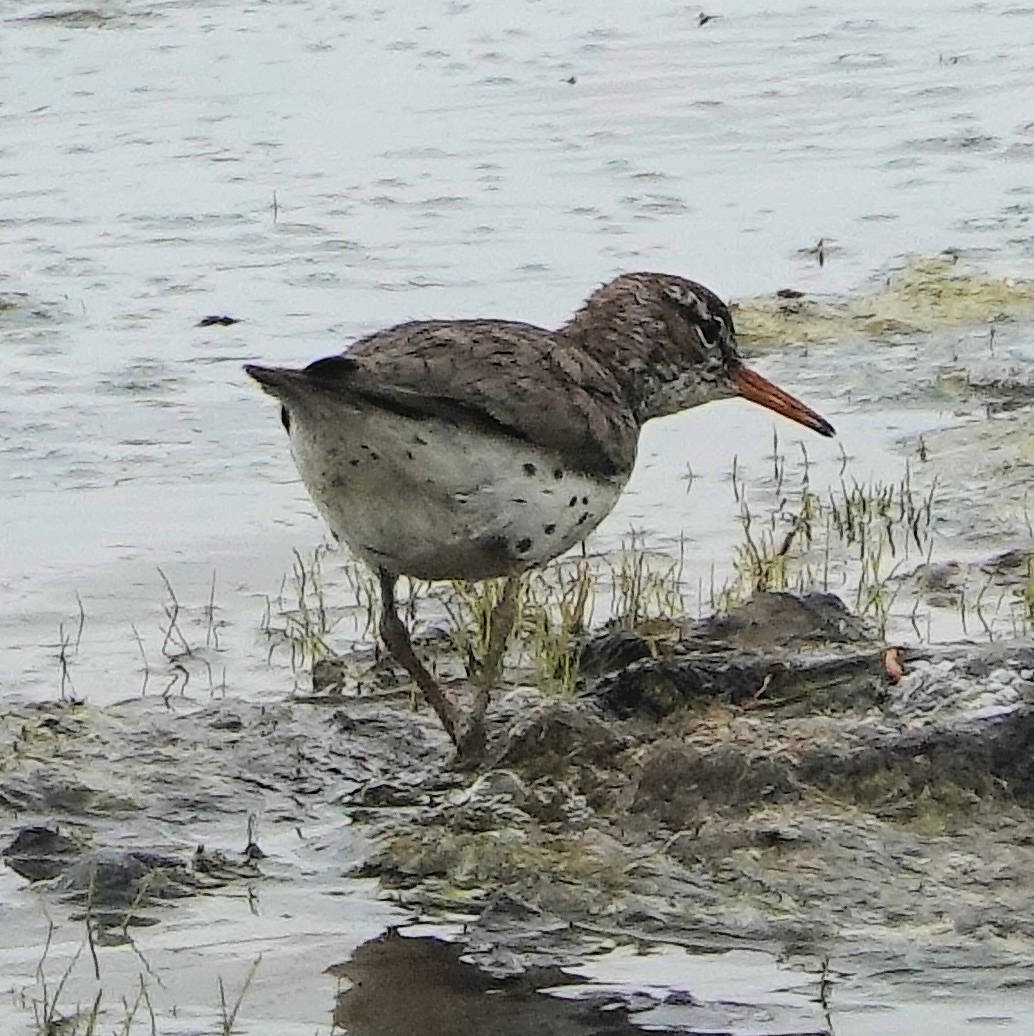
[759, 390]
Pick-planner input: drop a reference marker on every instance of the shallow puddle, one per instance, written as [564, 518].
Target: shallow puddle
[635, 989]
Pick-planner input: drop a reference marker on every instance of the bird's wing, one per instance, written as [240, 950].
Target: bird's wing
[511, 378]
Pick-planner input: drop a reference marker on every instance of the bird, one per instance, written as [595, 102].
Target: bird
[481, 448]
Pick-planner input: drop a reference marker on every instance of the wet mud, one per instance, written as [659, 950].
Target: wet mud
[764, 779]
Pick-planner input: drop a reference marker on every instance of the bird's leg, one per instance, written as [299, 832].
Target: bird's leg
[396, 639]
[500, 626]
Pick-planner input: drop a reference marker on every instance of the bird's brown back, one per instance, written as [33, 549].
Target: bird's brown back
[524, 380]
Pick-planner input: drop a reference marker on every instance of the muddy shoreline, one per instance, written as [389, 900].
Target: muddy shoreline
[759, 783]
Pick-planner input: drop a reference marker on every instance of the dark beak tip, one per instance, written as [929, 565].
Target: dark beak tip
[757, 389]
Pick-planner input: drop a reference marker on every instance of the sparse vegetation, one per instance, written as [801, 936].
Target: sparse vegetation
[645, 584]
[53, 1014]
[301, 623]
[228, 1012]
[556, 614]
[862, 540]
[558, 604]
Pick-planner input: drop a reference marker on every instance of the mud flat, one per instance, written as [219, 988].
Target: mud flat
[753, 822]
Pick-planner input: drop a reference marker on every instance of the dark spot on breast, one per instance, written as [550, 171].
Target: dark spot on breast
[518, 500]
[419, 440]
[549, 529]
[529, 470]
[354, 462]
[285, 419]
[584, 518]
[585, 499]
[409, 454]
[558, 474]
[523, 546]
[572, 501]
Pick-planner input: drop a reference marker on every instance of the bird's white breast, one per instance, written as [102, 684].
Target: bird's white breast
[440, 500]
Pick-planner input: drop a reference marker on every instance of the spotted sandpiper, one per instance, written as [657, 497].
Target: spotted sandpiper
[472, 449]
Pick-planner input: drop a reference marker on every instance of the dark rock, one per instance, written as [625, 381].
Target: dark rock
[681, 784]
[776, 646]
[41, 853]
[773, 620]
[613, 650]
[216, 320]
[108, 879]
[979, 759]
[387, 793]
[660, 687]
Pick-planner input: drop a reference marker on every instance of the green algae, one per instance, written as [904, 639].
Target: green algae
[926, 294]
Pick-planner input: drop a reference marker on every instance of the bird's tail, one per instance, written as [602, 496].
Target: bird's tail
[277, 381]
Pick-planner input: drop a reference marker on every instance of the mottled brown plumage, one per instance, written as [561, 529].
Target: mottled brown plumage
[474, 448]
[515, 377]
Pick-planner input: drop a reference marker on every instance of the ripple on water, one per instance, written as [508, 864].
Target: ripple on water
[141, 377]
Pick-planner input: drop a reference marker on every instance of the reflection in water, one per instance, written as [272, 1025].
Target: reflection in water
[405, 986]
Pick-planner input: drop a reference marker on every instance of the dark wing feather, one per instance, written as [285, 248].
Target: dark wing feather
[509, 378]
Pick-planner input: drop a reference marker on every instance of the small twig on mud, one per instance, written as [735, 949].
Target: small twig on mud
[88, 921]
[82, 622]
[252, 850]
[64, 641]
[892, 664]
[763, 689]
[825, 989]
[178, 670]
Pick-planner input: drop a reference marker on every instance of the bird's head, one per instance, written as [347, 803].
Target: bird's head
[672, 345]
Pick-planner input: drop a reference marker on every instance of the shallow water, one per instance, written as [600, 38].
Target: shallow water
[317, 169]
[425, 164]
[634, 989]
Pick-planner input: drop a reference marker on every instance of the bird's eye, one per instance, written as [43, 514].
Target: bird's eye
[696, 311]
[712, 329]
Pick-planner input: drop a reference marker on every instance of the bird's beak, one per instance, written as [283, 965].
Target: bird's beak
[757, 389]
